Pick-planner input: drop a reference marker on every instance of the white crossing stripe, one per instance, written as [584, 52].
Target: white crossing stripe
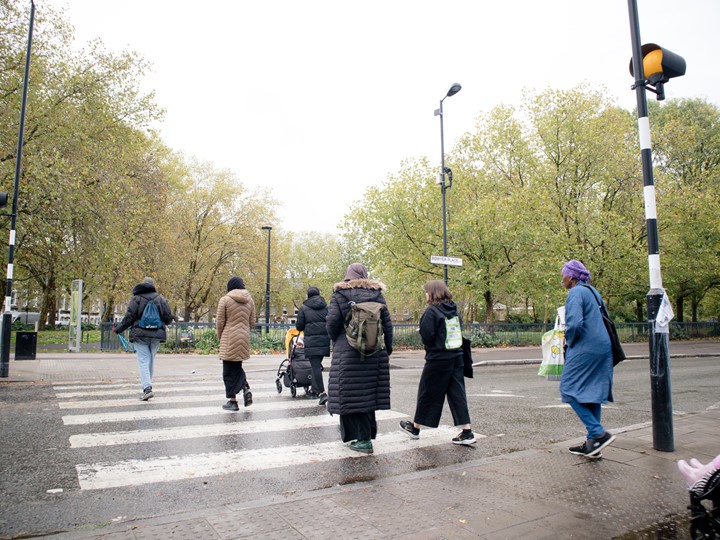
[165, 390]
[495, 395]
[203, 398]
[567, 406]
[136, 472]
[212, 430]
[187, 412]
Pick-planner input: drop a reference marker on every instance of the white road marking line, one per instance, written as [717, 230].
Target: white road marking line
[192, 381]
[137, 472]
[567, 406]
[154, 414]
[211, 430]
[495, 395]
[161, 399]
[164, 389]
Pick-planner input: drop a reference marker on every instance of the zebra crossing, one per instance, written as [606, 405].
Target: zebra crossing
[118, 441]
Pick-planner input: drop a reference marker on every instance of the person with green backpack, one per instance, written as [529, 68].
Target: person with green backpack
[442, 376]
[359, 325]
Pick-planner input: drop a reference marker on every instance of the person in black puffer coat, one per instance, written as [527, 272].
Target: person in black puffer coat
[442, 375]
[146, 341]
[358, 385]
[311, 321]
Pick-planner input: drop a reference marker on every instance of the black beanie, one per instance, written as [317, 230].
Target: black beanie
[313, 291]
[235, 283]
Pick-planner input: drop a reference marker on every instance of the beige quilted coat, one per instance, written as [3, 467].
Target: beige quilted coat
[235, 318]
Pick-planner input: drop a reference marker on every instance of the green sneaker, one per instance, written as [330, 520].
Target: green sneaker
[362, 446]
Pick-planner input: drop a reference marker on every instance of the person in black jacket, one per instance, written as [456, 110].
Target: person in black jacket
[359, 385]
[145, 340]
[442, 375]
[311, 321]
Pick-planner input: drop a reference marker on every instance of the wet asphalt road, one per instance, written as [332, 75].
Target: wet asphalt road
[511, 407]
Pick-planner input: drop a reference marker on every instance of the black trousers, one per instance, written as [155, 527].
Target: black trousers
[234, 378]
[358, 426]
[317, 385]
[441, 379]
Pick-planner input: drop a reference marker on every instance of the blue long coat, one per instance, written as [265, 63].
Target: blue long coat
[588, 373]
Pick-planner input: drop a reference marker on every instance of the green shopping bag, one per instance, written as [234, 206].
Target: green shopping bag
[553, 360]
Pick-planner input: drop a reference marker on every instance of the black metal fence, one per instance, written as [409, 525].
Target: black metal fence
[187, 337]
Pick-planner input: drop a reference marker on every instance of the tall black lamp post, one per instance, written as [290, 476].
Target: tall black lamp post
[454, 89]
[267, 281]
[652, 66]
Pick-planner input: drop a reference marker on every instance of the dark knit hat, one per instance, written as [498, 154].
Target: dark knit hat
[235, 283]
[313, 291]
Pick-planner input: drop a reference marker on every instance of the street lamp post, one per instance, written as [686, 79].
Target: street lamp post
[454, 89]
[267, 281]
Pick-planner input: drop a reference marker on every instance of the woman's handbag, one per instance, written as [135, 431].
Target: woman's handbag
[553, 360]
[617, 352]
[467, 358]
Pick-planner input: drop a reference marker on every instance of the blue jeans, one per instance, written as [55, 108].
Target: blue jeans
[146, 352]
[589, 414]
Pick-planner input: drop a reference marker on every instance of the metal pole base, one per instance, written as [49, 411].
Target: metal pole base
[660, 394]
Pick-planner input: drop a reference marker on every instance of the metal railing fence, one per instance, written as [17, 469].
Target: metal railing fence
[186, 337]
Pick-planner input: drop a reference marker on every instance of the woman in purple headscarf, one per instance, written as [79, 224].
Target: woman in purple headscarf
[587, 377]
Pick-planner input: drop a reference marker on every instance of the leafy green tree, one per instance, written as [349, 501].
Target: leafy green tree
[215, 222]
[686, 151]
[84, 143]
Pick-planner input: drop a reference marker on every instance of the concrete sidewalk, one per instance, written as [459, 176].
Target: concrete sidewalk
[633, 492]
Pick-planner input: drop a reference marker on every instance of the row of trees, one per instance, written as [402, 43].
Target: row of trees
[104, 199]
[101, 197]
[558, 178]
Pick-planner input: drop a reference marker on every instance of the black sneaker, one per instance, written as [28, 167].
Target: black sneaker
[581, 450]
[323, 399]
[231, 406]
[147, 394]
[247, 398]
[408, 427]
[311, 395]
[466, 436]
[594, 446]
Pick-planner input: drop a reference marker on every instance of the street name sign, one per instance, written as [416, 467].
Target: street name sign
[450, 261]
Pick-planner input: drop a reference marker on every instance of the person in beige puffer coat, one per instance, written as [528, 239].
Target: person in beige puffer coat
[235, 318]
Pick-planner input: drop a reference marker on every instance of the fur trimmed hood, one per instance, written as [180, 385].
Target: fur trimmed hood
[362, 283]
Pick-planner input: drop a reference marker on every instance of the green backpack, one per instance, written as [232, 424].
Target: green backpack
[453, 333]
[363, 327]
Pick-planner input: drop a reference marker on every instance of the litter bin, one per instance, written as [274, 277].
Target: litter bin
[25, 345]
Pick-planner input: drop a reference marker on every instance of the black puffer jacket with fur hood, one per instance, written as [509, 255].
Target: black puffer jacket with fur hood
[357, 385]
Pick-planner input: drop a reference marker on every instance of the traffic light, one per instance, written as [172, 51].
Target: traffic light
[3, 199]
[659, 66]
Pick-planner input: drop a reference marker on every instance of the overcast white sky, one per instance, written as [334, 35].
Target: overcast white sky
[319, 99]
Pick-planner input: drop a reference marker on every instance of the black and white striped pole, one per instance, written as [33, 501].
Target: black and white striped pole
[653, 65]
[7, 315]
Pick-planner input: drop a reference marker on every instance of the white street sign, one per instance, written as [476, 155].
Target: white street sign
[450, 261]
